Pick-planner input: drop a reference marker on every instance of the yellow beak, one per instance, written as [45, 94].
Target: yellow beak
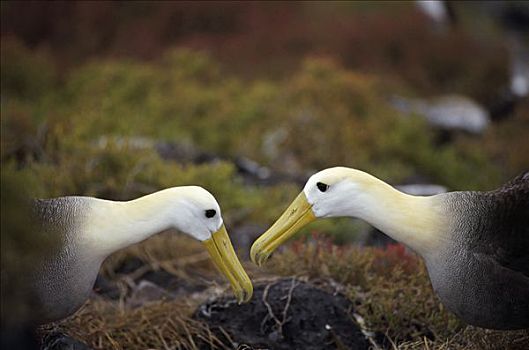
[297, 215]
[222, 253]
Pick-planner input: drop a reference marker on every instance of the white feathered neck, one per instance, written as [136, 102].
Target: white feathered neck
[416, 221]
[113, 225]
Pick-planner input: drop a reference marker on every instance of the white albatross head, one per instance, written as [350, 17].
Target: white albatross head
[193, 211]
[335, 191]
[198, 214]
[331, 192]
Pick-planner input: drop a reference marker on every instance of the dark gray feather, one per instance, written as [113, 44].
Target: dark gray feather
[483, 275]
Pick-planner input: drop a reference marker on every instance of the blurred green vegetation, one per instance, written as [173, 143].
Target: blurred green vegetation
[320, 116]
[20, 249]
[264, 39]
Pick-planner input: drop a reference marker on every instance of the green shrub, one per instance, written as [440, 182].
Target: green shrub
[26, 74]
[320, 116]
[333, 116]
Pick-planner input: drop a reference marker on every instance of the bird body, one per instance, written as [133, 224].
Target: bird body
[483, 274]
[475, 244]
[64, 280]
[90, 229]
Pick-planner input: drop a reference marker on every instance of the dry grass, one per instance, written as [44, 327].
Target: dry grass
[164, 324]
[472, 338]
[389, 288]
[393, 295]
[159, 325]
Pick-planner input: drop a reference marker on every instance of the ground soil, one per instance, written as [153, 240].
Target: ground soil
[285, 314]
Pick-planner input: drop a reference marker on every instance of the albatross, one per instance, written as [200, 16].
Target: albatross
[475, 244]
[90, 229]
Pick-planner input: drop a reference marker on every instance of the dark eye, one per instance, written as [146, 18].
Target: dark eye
[210, 213]
[322, 187]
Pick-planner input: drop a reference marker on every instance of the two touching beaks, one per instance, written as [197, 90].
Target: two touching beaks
[219, 246]
[295, 217]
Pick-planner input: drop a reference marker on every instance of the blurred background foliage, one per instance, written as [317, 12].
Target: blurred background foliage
[90, 90]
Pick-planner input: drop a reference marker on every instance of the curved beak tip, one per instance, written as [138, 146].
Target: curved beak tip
[227, 262]
[247, 288]
[297, 215]
[254, 255]
[258, 255]
[244, 294]
[247, 295]
[262, 259]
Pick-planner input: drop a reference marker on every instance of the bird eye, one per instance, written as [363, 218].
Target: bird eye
[210, 213]
[322, 187]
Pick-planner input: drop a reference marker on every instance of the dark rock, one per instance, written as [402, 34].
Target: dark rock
[18, 337]
[422, 189]
[248, 169]
[172, 283]
[377, 238]
[129, 265]
[448, 112]
[514, 16]
[181, 152]
[143, 284]
[145, 292]
[441, 13]
[162, 279]
[106, 288]
[296, 315]
[243, 236]
[109, 288]
[252, 168]
[61, 341]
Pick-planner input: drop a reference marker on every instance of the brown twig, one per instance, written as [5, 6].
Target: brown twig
[293, 285]
[269, 308]
[278, 323]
